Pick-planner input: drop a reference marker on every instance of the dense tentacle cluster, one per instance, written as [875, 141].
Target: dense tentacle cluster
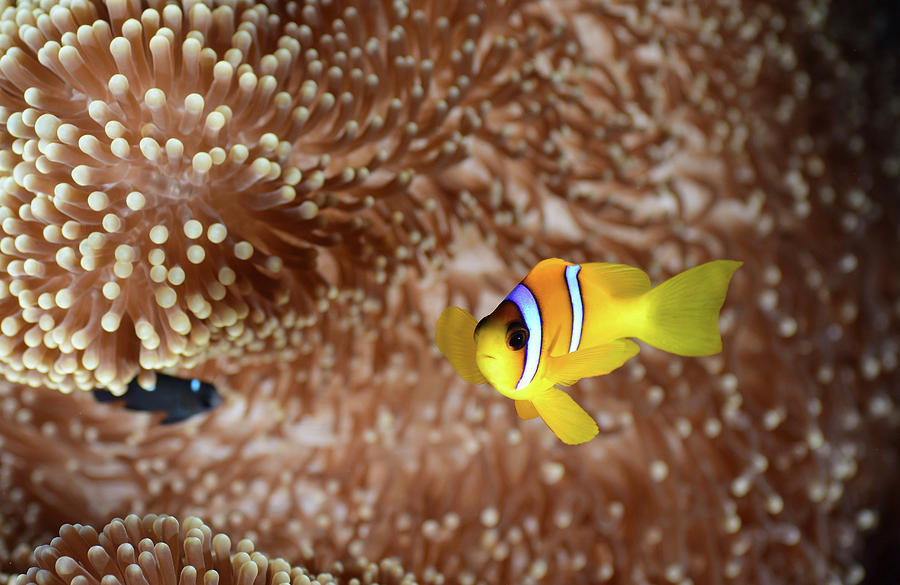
[660, 136]
[181, 182]
[160, 550]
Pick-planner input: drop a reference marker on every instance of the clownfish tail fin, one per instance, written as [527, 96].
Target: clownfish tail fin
[683, 312]
[455, 338]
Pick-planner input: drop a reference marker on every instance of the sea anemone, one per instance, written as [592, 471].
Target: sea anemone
[160, 550]
[656, 135]
[189, 181]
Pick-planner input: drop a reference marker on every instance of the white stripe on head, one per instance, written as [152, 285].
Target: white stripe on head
[528, 307]
[577, 305]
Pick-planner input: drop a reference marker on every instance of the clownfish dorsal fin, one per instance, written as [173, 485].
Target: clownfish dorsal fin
[525, 409]
[568, 421]
[568, 368]
[456, 340]
[619, 280]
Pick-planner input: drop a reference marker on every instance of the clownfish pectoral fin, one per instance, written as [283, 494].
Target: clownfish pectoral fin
[619, 280]
[456, 340]
[525, 409]
[568, 421]
[568, 368]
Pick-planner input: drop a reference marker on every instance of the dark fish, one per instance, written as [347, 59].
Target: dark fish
[177, 397]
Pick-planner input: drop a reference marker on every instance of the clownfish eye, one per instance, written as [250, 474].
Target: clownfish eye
[517, 338]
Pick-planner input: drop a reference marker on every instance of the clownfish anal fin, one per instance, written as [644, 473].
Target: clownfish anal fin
[456, 340]
[619, 280]
[525, 409]
[568, 421]
[568, 368]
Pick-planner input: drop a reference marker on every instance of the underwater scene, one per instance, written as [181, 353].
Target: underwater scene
[457, 292]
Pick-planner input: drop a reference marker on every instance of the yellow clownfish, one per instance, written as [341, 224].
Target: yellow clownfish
[565, 322]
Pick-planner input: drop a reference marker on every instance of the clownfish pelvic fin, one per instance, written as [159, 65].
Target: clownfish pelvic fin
[565, 417]
[682, 314]
[525, 409]
[456, 340]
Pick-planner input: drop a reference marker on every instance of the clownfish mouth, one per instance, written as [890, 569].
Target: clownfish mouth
[484, 355]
